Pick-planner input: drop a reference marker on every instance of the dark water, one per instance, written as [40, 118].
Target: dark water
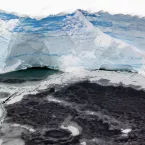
[30, 74]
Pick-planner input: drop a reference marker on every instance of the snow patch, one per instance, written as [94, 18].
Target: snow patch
[126, 131]
[72, 129]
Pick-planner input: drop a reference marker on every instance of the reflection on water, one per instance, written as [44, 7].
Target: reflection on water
[31, 74]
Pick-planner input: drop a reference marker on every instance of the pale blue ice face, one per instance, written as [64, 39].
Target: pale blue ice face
[130, 29]
[79, 39]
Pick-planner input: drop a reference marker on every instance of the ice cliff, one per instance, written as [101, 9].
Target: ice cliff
[63, 42]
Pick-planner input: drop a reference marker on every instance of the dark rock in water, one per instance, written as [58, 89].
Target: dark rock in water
[52, 90]
[104, 81]
[51, 136]
[36, 111]
[101, 111]
[122, 139]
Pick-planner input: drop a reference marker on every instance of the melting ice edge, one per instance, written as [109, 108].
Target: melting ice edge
[79, 40]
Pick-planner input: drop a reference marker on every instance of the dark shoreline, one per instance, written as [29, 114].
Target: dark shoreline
[114, 108]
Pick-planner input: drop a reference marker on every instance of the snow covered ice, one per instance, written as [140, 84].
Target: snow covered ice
[63, 42]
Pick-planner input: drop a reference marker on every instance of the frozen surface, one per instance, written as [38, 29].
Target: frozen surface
[77, 40]
[106, 78]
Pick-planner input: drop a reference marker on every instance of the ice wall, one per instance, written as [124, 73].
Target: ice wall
[63, 42]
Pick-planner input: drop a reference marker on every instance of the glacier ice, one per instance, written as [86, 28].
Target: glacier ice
[63, 42]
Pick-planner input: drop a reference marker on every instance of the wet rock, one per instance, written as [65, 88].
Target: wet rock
[51, 136]
[100, 111]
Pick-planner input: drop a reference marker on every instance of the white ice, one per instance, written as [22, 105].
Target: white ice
[126, 131]
[46, 7]
[78, 44]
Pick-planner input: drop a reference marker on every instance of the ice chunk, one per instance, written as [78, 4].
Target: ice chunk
[126, 131]
[63, 42]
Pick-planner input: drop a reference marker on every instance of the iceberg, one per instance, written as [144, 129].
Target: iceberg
[62, 42]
